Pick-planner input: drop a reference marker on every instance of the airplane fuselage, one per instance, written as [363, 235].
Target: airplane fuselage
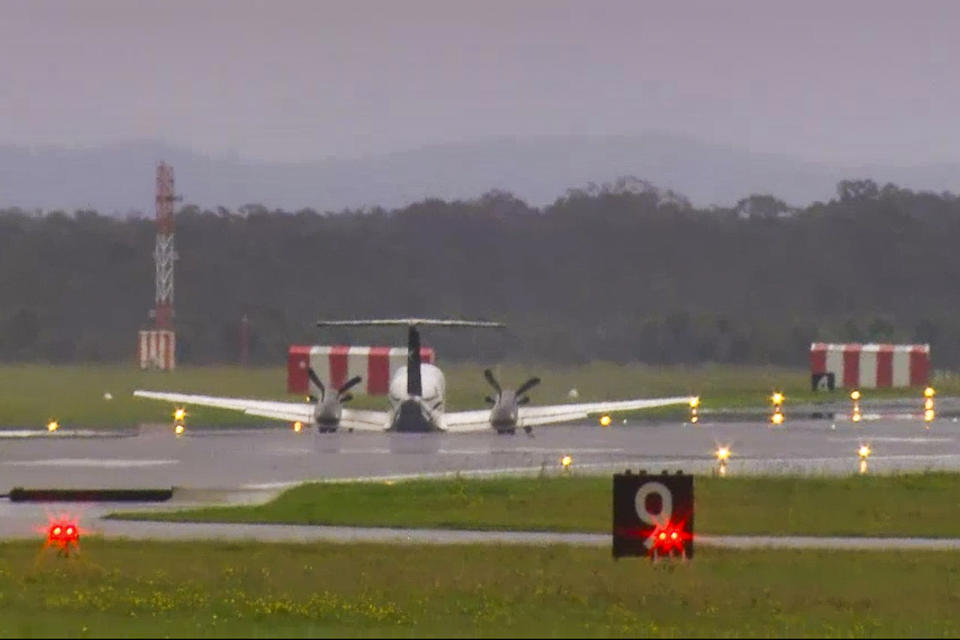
[417, 413]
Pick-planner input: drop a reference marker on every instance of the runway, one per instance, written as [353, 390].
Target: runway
[250, 465]
[153, 457]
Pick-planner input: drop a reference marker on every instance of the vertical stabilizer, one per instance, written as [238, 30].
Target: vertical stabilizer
[414, 386]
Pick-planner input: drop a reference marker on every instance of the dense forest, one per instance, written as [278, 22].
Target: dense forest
[621, 272]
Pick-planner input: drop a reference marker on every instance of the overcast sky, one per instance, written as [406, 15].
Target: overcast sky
[846, 82]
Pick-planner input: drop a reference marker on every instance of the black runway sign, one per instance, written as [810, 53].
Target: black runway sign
[652, 515]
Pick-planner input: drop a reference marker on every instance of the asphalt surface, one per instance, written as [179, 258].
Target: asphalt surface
[252, 465]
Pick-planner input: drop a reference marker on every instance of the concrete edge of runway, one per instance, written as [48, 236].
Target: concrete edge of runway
[272, 533]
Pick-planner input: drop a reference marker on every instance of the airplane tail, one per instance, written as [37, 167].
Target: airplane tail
[414, 385]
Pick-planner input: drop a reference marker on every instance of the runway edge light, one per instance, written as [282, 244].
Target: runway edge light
[855, 414]
[694, 409]
[776, 399]
[723, 454]
[863, 452]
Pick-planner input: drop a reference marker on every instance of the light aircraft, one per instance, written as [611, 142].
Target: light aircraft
[416, 395]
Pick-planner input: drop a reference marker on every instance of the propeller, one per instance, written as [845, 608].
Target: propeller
[526, 386]
[506, 402]
[518, 394]
[342, 392]
[327, 410]
[315, 379]
[488, 374]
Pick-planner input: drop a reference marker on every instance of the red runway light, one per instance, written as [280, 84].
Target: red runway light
[669, 538]
[62, 533]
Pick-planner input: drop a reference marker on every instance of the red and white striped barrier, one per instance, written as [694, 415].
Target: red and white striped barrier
[866, 366]
[335, 365]
[157, 349]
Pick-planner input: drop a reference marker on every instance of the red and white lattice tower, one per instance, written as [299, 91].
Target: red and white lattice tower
[164, 253]
[157, 346]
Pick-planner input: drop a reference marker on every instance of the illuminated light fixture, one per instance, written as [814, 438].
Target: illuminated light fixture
[855, 415]
[928, 411]
[668, 539]
[179, 429]
[180, 414]
[298, 426]
[694, 402]
[52, 426]
[864, 451]
[566, 461]
[777, 399]
[723, 453]
[694, 409]
[605, 420]
[62, 533]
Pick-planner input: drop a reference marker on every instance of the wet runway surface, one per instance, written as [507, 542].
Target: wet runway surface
[250, 465]
[275, 457]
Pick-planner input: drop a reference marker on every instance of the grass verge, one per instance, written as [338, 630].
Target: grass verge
[169, 589]
[926, 504]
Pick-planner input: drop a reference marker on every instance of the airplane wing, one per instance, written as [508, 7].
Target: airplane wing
[479, 420]
[529, 416]
[287, 411]
[474, 421]
[467, 421]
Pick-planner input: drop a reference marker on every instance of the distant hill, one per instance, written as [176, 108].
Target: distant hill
[119, 179]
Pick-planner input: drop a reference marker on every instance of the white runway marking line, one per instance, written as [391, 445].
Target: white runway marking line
[572, 449]
[558, 451]
[270, 486]
[374, 450]
[62, 433]
[483, 451]
[89, 462]
[916, 440]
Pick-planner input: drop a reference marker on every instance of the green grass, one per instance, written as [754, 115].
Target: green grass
[30, 395]
[153, 589]
[925, 504]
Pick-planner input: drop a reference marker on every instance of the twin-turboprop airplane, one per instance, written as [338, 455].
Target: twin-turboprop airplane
[416, 395]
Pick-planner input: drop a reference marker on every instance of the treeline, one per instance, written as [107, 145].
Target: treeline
[621, 272]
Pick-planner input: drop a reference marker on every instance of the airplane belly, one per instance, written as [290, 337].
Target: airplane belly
[413, 417]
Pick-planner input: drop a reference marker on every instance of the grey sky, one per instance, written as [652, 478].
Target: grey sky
[851, 82]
